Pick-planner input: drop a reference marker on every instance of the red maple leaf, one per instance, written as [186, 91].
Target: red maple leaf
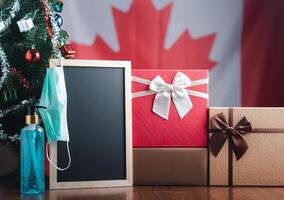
[141, 35]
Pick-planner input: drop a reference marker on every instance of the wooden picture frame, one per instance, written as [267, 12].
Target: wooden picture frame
[54, 183]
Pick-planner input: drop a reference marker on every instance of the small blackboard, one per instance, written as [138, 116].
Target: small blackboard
[99, 122]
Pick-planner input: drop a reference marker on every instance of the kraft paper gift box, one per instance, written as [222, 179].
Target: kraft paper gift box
[170, 127]
[169, 108]
[246, 146]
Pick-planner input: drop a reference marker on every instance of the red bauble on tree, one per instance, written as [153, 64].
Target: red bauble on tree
[32, 55]
[67, 51]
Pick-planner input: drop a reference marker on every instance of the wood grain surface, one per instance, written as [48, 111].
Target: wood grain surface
[11, 192]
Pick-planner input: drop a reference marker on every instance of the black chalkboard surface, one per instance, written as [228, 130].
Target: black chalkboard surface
[98, 97]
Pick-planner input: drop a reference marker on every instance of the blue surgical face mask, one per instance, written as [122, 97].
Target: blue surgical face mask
[54, 117]
[54, 98]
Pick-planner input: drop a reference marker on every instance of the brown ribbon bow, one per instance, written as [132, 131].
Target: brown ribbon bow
[221, 130]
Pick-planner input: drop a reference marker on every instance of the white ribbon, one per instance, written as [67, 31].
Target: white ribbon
[177, 91]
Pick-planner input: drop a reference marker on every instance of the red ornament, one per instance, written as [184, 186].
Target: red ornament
[67, 51]
[32, 55]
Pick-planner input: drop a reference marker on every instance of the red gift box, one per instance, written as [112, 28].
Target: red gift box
[185, 92]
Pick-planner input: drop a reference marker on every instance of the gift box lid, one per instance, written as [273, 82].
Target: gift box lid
[180, 127]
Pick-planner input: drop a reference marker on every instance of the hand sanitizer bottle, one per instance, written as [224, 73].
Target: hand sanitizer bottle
[32, 155]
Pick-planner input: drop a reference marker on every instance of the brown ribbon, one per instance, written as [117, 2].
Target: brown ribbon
[222, 130]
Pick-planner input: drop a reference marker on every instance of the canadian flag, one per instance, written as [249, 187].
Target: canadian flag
[240, 42]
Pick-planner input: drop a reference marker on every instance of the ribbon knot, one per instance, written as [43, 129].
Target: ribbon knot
[176, 91]
[169, 87]
[221, 131]
[230, 129]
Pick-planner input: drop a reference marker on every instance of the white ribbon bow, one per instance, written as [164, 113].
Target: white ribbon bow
[177, 91]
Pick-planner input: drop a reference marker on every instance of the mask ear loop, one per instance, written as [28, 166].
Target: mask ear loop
[54, 165]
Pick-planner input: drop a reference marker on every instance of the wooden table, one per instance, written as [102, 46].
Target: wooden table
[10, 191]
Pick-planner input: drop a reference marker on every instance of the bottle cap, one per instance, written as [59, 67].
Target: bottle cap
[33, 118]
[29, 116]
[28, 119]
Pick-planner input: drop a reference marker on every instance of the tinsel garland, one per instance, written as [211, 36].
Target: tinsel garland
[14, 108]
[3, 113]
[14, 9]
[5, 137]
[24, 82]
[4, 66]
[52, 28]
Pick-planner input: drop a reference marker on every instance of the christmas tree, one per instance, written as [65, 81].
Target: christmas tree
[30, 35]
